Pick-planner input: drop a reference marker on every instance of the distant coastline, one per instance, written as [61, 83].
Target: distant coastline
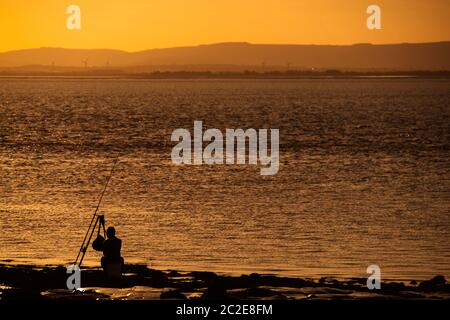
[235, 57]
[300, 74]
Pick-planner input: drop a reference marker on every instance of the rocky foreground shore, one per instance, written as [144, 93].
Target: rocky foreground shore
[142, 283]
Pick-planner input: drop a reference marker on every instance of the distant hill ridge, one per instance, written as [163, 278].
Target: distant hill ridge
[404, 56]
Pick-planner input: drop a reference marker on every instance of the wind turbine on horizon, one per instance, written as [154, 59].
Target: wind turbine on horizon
[85, 62]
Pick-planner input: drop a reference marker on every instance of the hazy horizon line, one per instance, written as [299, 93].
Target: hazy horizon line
[231, 42]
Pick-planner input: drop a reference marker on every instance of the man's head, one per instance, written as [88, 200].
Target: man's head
[111, 232]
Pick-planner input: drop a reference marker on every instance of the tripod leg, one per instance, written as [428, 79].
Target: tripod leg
[102, 222]
[84, 240]
[88, 241]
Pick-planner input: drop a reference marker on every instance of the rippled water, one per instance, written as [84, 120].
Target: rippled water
[364, 175]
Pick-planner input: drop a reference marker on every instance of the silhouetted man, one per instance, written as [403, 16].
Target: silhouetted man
[111, 248]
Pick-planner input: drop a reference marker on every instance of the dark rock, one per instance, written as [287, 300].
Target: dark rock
[329, 281]
[216, 291]
[173, 273]
[140, 269]
[188, 285]
[393, 286]
[16, 294]
[256, 293]
[436, 283]
[203, 275]
[155, 281]
[255, 276]
[151, 278]
[274, 281]
[173, 294]
[357, 281]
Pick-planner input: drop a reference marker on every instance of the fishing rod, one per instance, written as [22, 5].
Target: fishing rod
[100, 219]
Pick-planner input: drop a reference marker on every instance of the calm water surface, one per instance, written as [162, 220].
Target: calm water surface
[364, 175]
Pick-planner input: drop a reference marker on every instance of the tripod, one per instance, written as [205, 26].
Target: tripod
[100, 220]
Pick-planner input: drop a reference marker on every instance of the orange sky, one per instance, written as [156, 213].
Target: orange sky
[145, 24]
